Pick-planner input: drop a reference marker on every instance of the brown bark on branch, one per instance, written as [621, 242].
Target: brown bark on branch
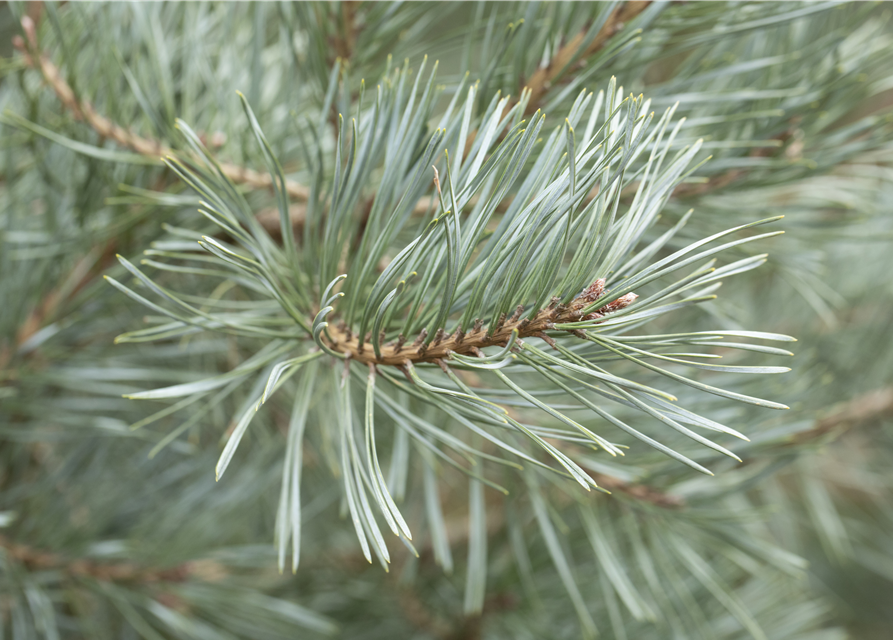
[40, 560]
[84, 111]
[344, 341]
[866, 408]
[539, 84]
[345, 41]
[543, 78]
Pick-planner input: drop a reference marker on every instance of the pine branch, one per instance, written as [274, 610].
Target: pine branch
[84, 111]
[344, 43]
[493, 244]
[538, 84]
[84, 272]
[544, 77]
[471, 343]
[861, 410]
[40, 560]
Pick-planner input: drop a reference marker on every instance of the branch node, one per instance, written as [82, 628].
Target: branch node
[420, 339]
[517, 314]
[549, 341]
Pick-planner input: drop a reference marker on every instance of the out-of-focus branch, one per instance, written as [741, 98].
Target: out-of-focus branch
[543, 78]
[864, 409]
[538, 84]
[46, 308]
[84, 111]
[344, 43]
[640, 492]
[40, 560]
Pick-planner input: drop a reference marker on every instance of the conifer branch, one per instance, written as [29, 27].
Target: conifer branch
[538, 84]
[861, 410]
[344, 43]
[84, 111]
[36, 559]
[480, 337]
[530, 219]
[543, 78]
[85, 271]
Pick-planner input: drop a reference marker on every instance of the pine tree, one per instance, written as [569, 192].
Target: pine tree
[375, 320]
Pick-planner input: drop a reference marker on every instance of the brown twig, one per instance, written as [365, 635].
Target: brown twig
[543, 78]
[46, 308]
[343, 43]
[863, 409]
[639, 492]
[860, 411]
[84, 111]
[420, 616]
[344, 341]
[40, 560]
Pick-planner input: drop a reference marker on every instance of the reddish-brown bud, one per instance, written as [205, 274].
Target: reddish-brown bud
[620, 303]
[594, 291]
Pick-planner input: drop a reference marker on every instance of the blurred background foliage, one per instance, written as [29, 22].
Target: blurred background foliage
[110, 531]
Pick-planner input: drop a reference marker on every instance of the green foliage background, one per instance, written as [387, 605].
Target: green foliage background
[114, 527]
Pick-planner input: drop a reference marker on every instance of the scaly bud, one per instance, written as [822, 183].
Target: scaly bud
[593, 292]
[619, 303]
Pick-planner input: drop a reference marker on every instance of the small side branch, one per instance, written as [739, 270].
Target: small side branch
[639, 492]
[84, 111]
[864, 409]
[543, 78]
[39, 560]
[344, 43]
[47, 308]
